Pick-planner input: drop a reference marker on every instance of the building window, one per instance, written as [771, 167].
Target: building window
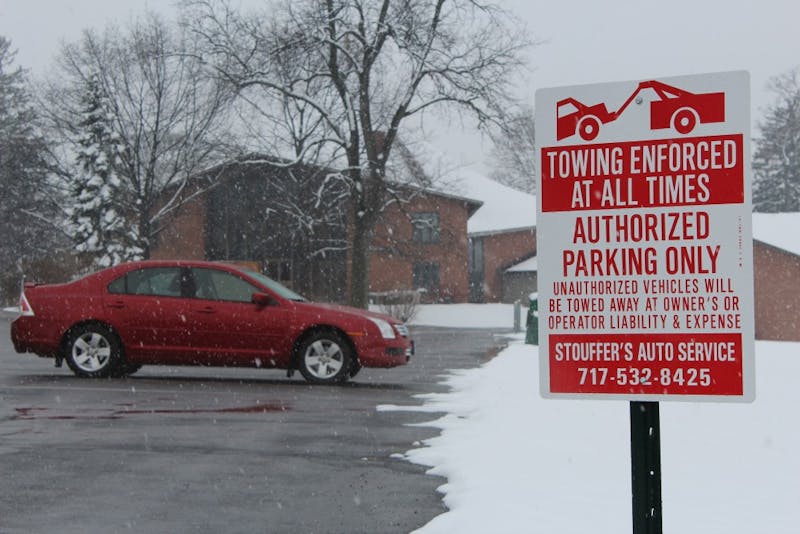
[426, 275]
[425, 227]
[279, 270]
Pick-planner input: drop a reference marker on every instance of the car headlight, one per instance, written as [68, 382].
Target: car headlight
[386, 329]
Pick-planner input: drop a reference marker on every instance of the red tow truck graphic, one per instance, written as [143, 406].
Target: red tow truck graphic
[676, 108]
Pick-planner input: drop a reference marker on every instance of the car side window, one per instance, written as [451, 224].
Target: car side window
[213, 284]
[118, 285]
[158, 281]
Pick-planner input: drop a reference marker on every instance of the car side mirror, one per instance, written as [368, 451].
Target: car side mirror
[262, 300]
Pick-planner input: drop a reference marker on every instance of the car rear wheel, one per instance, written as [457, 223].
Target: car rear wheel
[94, 351]
[325, 357]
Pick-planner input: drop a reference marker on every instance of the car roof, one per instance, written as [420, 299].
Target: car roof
[177, 263]
[123, 268]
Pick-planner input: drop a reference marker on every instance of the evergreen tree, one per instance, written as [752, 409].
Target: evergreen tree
[776, 163]
[98, 224]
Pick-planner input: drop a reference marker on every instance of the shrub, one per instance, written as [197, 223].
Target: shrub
[400, 303]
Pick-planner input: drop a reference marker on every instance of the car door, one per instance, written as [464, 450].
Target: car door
[234, 330]
[150, 312]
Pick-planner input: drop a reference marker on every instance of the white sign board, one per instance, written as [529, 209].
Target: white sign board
[644, 239]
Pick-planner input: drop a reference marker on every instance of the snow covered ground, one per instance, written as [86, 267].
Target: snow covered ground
[516, 463]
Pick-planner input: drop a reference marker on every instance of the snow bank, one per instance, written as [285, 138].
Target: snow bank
[467, 315]
[516, 463]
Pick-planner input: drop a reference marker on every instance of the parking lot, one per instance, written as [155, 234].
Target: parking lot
[219, 450]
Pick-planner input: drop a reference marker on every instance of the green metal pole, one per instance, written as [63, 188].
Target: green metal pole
[532, 322]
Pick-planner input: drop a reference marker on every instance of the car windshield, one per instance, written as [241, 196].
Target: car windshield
[283, 291]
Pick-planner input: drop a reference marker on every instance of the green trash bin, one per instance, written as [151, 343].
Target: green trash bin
[532, 323]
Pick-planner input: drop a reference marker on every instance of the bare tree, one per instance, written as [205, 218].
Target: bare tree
[776, 162]
[513, 155]
[358, 70]
[168, 116]
[26, 234]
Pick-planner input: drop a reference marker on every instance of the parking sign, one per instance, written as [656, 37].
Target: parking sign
[644, 239]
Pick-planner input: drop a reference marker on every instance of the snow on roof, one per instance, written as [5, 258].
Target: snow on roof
[525, 266]
[503, 208]
[780, 230]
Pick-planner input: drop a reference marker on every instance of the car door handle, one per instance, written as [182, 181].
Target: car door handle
[208, 309]
[116, 304]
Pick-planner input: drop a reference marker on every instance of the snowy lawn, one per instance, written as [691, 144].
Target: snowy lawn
[468, 315]
[516, 463]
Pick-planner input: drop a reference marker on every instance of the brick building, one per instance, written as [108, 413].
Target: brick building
[776, 266]
[292, 224]
[422, 244]
[501, 234]
[492, 254]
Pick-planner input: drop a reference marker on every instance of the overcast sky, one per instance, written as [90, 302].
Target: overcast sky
[583, 41]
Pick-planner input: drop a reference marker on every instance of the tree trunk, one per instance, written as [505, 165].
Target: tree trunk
[359, 268]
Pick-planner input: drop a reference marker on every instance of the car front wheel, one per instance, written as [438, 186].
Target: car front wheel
[325, 357]
[94, 351]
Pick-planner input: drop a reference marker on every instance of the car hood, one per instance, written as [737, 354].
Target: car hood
[311, 307]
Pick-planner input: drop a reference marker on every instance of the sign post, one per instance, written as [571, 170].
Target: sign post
[644, 245]
[646, 467]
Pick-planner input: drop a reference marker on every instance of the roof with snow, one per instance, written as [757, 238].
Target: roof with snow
[525, 266]
[780, 230]
[504, 208]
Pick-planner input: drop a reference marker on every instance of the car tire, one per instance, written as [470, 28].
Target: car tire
[355, 368]
[325, 357]
[94, 351]
[126, 369]
[131, 368]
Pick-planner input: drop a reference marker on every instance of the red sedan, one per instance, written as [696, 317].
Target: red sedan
[112, 322]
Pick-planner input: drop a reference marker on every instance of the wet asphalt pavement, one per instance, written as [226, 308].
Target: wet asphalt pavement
[200, 450]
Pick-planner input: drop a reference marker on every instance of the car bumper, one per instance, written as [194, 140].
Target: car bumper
[24, 339]
[387, 355]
